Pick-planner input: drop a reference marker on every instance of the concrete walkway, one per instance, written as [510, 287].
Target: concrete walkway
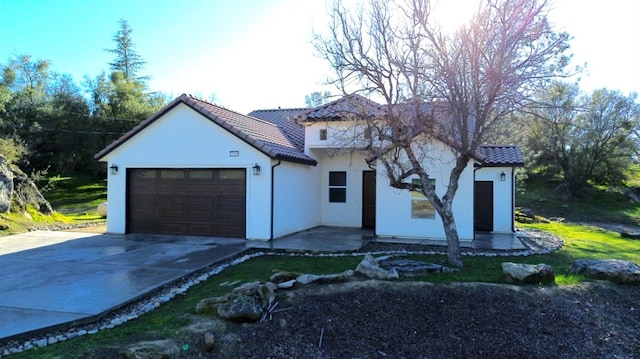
[51, 279]
[339, 239]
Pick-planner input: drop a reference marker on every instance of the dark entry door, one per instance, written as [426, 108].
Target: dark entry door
[368, 199]
[198, 201]
[483, 206]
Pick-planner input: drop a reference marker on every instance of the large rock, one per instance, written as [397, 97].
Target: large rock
[305, 279]
[6, 185]
[529, 273]
[17, 189]
[370, 267]
[210, 305]
[280, 276]
[26, 193]
[615, 270]
[411, 267]
[241, 309]
[267, 293]
[264, 291]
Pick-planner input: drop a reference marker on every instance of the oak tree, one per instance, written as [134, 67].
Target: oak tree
[434, 85]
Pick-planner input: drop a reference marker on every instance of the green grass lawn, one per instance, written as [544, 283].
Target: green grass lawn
[77, 196]
[600, 203]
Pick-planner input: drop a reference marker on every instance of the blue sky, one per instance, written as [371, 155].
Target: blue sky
[255, 54]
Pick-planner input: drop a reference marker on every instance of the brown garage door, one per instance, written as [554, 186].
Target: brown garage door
[200, 202]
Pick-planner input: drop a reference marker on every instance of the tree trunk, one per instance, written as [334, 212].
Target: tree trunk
[454, 254]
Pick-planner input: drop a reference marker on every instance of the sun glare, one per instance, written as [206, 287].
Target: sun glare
[452, 14]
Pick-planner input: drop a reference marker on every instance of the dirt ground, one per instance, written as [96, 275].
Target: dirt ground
[372, 319]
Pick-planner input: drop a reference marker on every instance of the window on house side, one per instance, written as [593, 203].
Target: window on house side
[367, 133]
[338, 187]
[323, 134]
[420, 205]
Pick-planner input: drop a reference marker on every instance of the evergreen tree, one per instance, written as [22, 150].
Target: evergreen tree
[127, 59]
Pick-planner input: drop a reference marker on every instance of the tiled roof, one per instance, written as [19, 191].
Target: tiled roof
[285, 120]
[265, 136]
[496, 156]
[341, 109]
[490, 155]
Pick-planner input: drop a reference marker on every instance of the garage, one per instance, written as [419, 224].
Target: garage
[197, 201]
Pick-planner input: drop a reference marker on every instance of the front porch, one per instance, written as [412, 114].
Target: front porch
[340, 239]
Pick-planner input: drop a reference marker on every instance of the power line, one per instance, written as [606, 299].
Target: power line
[80, 131]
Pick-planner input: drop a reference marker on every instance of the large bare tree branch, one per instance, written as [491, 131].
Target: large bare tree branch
[437, 86]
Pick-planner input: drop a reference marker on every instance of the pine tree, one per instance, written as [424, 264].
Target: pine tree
[127, 59]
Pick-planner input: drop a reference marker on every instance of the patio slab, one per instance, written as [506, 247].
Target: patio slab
[336, 239]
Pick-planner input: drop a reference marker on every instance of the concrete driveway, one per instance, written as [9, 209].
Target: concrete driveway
[50, 278]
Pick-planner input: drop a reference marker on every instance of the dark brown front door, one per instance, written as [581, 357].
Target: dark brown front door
[368, 199]
[202, 202]
[483, 206]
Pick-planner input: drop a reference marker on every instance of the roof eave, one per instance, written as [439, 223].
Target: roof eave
[310, 162]
[141, 126]
[517, 164]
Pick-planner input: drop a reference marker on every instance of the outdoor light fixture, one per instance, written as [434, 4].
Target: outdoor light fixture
[256, 169]
[503, 176]
[234, 153]
[113, 168]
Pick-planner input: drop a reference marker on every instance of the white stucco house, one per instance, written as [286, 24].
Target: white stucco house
[195, 168]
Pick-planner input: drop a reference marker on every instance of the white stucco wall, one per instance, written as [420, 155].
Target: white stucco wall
[502, 196]
[182, 138]
[348, 214]
[340, 134]
[393, 206]
[296, 198]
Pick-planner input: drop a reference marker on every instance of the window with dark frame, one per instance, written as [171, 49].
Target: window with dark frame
[338, 187]
[367, 133]
[323, 134]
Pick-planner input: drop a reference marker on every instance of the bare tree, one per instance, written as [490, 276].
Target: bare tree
[438, 87]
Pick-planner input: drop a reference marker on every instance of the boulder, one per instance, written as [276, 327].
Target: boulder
[264, 291]
[267, 293]
[249, 288]
[305, 279]
[615, 270]
[283, 276]
[26, 193]
[18, 190]
[157, 349]
[210, 305]
[410, 266]
[102, 209]
[370, 267]
[287, 285]
[241, 309]
[6, 185]
[528, 273]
